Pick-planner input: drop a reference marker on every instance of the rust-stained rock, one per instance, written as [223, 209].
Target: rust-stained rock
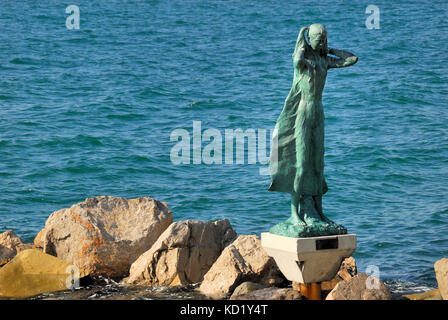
[183, 253]
[39, 239]
[104, 235]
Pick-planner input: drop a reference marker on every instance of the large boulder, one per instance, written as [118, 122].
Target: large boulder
[269, 294]
[441, 269]
[32, 272]
[243, 260]
[183, 253]
[360, 287]
[104, 235]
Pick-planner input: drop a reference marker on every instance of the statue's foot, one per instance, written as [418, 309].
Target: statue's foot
[310, 221]
[324, 218]
[294, 219]
[321, 220]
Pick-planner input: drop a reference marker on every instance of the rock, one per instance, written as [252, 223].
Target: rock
[441, 269]
[269, 294]
[104, 235]
[429, 295]
[39, 239]
[347, 271]
[247, 287]
[183, 253]
[10, 243]
[32, 272]
[348, 268]
[243, 260]
[329, 285]
[356, 289]
[4, 261]
[26, 246]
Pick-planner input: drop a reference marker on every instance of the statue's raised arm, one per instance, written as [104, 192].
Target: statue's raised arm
[345, 58]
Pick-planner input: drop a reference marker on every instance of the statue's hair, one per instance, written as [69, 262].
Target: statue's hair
[301, 41]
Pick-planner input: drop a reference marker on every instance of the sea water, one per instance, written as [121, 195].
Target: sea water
[91, 111]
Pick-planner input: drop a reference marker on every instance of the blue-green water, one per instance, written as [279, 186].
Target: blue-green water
[89, 112]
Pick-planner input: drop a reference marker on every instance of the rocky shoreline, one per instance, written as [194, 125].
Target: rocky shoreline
[132, 249]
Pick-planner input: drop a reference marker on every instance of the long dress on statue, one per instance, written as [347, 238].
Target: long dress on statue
[299, 135]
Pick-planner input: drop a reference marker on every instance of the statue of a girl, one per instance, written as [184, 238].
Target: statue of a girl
[298, 165]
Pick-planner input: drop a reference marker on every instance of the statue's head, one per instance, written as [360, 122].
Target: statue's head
[318, 37]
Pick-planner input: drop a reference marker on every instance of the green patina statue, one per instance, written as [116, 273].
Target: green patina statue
[297, 160]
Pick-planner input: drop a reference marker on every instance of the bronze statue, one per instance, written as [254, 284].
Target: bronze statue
[299, 133]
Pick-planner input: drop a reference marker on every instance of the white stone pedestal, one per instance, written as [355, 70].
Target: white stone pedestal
[308, 260]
